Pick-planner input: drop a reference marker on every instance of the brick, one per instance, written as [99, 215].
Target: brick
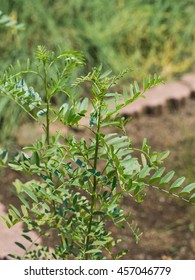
[158, 97]
[189, 80]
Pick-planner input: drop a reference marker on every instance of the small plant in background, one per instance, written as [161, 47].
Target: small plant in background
[76, 186]
[8, 22]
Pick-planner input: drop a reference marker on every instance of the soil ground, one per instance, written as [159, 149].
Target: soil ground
[168, 224]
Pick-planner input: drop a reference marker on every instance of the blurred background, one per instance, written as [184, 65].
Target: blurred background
[146, 35]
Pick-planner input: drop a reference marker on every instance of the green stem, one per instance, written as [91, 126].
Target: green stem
[47, 98]
[47, 127]
[95, 182]
[47, 124]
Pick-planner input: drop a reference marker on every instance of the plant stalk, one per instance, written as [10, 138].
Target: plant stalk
[47, 99]
[94, 184]
[47, 130]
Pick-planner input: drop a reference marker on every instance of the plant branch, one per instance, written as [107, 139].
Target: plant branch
[47, 99]
[173, 194]
[94, 180]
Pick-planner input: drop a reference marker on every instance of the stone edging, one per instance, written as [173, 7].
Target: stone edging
[172, 94]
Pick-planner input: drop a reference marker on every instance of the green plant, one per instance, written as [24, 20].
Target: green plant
[76, 185]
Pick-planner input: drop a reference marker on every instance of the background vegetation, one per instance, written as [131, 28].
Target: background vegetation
[147, 35]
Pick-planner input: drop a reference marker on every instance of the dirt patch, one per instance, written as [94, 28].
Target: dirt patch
[168, 224]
